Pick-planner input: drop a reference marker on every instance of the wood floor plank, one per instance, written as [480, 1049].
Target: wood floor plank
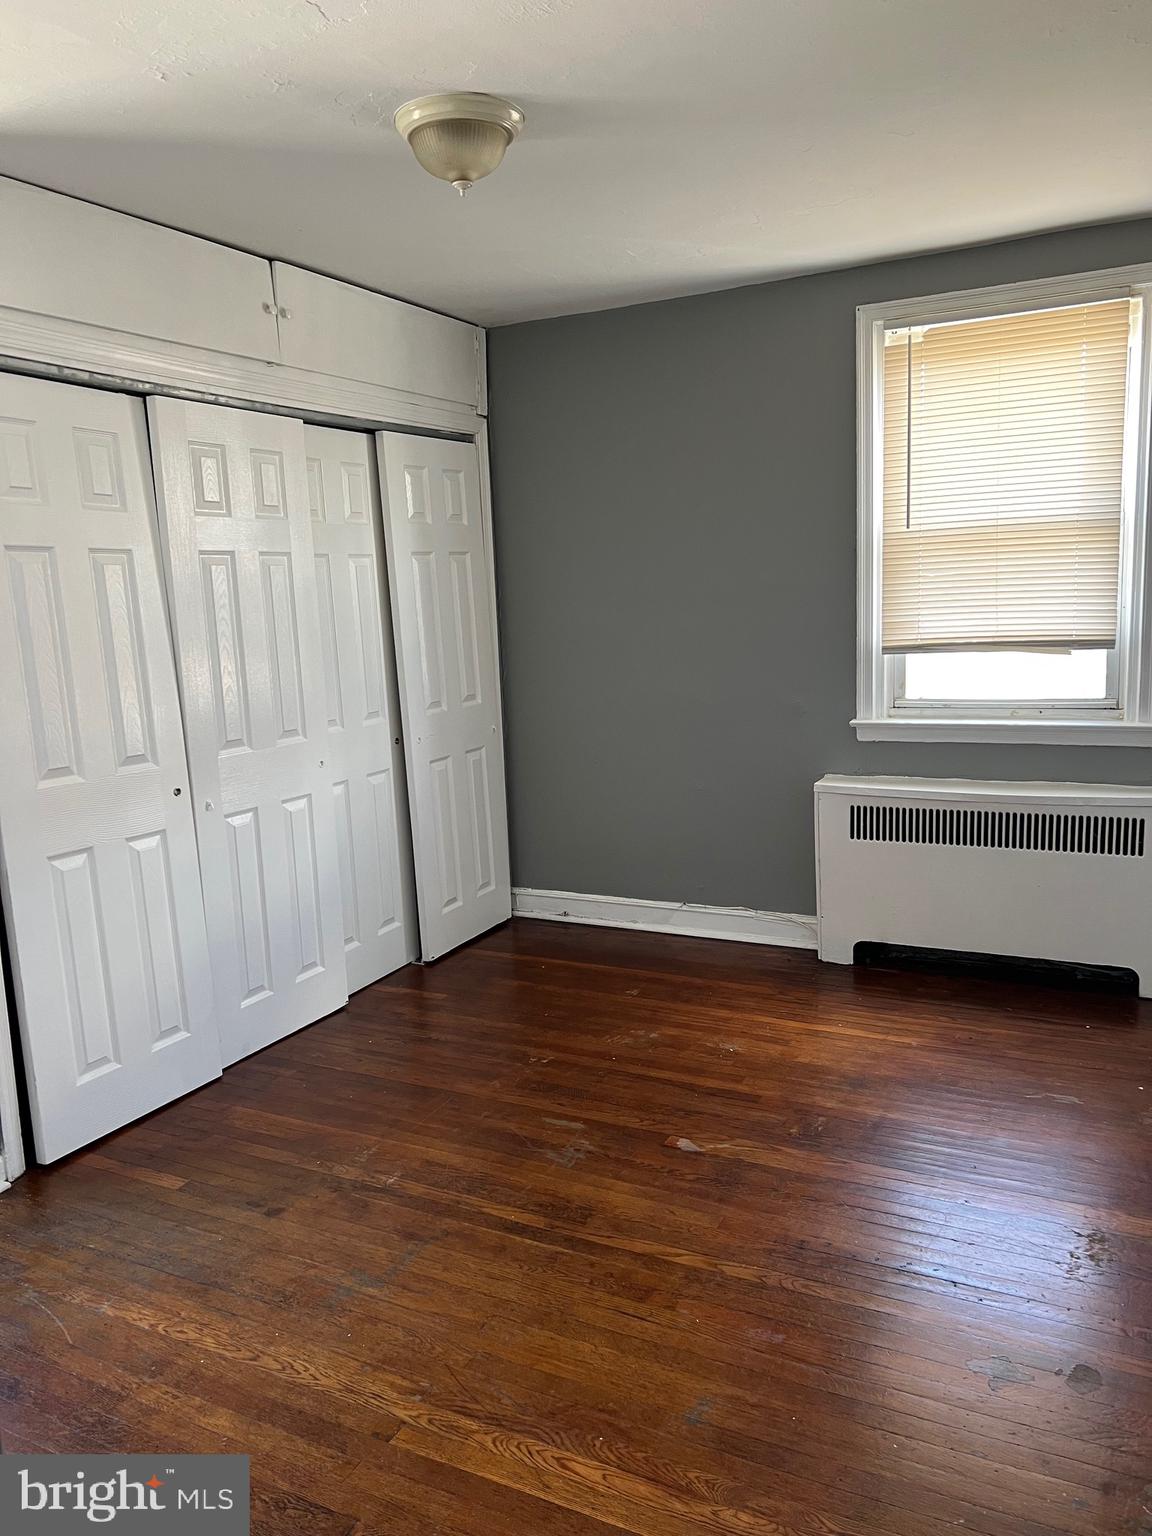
[582, 1231]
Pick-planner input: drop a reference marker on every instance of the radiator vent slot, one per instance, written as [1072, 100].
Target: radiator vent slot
[977, 827]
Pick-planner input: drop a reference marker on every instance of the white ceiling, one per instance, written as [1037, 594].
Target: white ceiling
[672, 146]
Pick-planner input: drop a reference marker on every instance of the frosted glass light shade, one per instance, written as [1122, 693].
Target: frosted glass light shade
[460, 136]
[459, 151]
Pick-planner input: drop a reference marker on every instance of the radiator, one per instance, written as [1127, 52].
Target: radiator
[1042, 871]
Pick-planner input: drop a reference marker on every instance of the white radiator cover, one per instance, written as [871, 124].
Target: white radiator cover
[1043, 871]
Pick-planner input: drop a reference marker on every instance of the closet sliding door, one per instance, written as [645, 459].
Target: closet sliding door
[102, 897]
[440, 568]
[239, 552]
[365, 759]
[191, 873]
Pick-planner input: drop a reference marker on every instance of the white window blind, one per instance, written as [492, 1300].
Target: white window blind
[1003, 480]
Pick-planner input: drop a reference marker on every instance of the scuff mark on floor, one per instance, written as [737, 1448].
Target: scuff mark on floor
[406, 1257]
[1057, 1098]
[1095, 1252]
[767, 1336]
[682, 1144]
[565, 1125]
[698, 1412]
[1001, 1372]
[36, 1302]
[572, 1154]
[1096, 1249]
[635, 1037]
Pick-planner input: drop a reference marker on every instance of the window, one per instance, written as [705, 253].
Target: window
[1004, 575]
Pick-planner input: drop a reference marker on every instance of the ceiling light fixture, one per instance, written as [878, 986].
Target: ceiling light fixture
[459, 136]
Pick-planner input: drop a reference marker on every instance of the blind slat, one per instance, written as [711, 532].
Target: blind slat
[1003, 468]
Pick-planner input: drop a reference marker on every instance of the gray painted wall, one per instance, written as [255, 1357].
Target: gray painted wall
[674, 490]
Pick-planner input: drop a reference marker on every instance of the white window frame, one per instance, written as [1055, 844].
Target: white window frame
[1126, 719]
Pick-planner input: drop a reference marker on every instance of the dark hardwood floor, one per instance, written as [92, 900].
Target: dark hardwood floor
[582, 1231]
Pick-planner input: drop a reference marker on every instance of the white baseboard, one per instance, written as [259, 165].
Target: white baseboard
[744, 924]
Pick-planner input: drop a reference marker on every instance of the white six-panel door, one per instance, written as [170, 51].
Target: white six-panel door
[238, 544]
[365, 757]
[101, 885]
[443, 619]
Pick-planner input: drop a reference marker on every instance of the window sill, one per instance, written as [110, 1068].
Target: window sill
[1052, 733]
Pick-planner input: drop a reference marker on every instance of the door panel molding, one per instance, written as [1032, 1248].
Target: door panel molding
[438, 537]
[365, 756]
[237, 529]
[101, 882]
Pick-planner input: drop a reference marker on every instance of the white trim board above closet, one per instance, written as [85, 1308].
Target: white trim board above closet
[64, 257]
[84, 286]
[337, 328]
